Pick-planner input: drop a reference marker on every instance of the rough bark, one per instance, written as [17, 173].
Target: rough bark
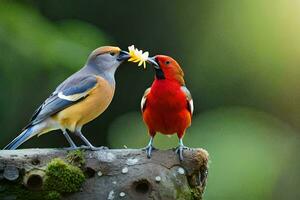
[110, 174]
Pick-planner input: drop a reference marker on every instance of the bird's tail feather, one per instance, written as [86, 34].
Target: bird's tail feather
[20, 139]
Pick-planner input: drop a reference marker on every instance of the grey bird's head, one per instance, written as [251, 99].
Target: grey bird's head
[106, 59]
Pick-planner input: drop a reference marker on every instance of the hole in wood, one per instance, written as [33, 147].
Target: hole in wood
[35, 161]
[35, 182]
[90, 172]
[142, 186]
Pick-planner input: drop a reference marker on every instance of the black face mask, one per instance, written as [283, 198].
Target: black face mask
[159, 74]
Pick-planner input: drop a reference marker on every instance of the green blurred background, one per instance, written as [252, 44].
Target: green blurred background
[241, 61]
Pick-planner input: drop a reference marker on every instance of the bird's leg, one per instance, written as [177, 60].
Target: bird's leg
[180, 148]
[87, 142]
[150, 147]
[69, 139]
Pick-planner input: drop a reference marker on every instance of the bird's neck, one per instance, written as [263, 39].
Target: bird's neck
[107, 75]
[179, 80]
[166, 83]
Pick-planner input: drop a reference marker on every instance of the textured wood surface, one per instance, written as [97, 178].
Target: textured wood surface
[113, 173]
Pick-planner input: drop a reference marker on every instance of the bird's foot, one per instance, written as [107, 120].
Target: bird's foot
[102, 148]
[71, 148]
[179, 151]
[93, 148]
[149, 149]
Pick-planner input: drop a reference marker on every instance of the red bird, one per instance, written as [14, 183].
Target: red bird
[167, 106]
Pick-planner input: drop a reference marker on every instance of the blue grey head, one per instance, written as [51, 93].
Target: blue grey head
[105, 60]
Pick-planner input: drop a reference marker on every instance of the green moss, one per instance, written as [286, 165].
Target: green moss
[76, 158]
[196, 195]
[53, 195]
[63, 177]
[189, 194]
[185, 192]
[183, 195]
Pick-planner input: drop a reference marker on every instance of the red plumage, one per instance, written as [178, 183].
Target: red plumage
[167, 106]
[166, 110]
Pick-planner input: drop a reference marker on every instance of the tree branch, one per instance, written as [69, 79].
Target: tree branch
[110, 174]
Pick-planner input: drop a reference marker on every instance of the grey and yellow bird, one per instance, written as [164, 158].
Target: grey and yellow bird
[78, 100]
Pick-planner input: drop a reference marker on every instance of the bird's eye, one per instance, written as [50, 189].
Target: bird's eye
[112, 53]
[167, 62]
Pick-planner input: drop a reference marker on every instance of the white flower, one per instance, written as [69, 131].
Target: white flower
[138, 56]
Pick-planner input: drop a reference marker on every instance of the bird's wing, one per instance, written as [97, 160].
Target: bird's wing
[68, 94]
[189, 99]
[144, 99]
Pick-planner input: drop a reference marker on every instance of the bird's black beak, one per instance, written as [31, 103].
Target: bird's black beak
[152, 61]
[158, 71]
[124, 55]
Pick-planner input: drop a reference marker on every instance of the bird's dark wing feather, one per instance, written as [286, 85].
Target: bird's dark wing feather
[144, 99]
[189, 99]
[68, 94]
[38, 110]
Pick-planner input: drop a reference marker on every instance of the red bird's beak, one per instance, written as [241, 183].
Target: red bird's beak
[152, 61]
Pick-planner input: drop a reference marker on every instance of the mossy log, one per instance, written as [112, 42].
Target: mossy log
[103, 174]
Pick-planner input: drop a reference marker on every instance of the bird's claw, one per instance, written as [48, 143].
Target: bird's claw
[71, 148]
[84, 147]
[149, 150]
[102, 148]
[93, 148]
[179, 151]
